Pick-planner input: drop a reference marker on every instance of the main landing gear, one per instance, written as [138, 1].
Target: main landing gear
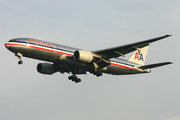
[74, 78]
[96, 72]
[19, 55]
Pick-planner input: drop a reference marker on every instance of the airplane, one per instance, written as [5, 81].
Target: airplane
[64, 59]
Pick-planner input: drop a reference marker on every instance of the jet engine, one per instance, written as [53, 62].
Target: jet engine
[46, 68]
[84, 56]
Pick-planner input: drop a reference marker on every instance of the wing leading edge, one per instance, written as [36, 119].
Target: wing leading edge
[122, 50]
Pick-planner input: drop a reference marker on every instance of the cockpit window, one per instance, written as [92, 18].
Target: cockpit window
[12, 41]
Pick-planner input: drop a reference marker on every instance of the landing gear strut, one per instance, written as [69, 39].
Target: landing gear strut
[96, 71]
[74, 78]
[19, 55]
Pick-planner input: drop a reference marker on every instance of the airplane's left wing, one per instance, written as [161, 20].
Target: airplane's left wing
[122, 50]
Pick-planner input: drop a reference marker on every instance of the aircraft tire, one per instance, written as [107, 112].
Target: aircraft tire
[70, 77]
[79, 80]
[20, 62]
[73, 79]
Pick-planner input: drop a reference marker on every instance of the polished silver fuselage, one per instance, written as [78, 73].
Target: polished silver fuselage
[61, 56]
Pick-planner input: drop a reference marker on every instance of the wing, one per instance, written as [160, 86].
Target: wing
[122, 50]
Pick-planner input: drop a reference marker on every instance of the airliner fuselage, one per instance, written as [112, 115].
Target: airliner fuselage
[74, 60]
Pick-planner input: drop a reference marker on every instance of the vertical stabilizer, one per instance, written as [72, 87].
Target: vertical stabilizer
[139, 56]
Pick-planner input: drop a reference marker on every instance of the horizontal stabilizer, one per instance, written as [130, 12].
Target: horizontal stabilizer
[154, 65]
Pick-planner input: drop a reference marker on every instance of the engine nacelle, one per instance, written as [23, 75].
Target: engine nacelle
[82, 55]
[46, 68]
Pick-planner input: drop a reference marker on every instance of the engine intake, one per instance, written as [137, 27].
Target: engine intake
[46, 68]
[82, 55]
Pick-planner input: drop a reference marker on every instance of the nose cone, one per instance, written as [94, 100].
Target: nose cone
[10, 45]
[6, 45]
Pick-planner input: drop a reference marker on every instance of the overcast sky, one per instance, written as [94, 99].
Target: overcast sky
[26, 94]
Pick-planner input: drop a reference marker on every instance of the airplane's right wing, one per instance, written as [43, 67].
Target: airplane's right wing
[122, 50]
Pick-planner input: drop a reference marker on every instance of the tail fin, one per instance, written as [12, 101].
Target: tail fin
[139, 56]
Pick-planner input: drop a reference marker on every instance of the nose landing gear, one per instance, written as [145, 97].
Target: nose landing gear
[74, 78]
[19, 55]
[20, 62]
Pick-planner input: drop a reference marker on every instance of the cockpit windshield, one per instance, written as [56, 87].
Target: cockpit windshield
[12, 41]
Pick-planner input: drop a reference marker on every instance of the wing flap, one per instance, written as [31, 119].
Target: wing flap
[103, 63]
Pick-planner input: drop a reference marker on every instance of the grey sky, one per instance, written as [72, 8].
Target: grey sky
[25, 94]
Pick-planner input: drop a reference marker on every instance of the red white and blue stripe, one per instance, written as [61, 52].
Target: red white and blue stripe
[57, 49]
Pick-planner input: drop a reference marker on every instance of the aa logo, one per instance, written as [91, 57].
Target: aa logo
[139, 55]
